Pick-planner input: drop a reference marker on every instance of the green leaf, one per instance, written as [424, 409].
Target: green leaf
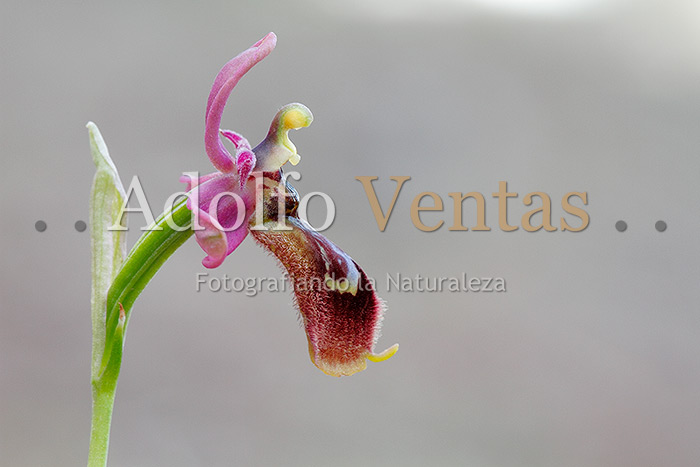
[108, 236]
[156, 245]
[117, 280]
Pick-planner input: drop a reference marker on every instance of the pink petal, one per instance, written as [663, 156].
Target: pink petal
[222, 210]
[212, 240]
[245, 159]
[228, 69]
[224, 83]
[193, 182]
[245, 164]
[238, 140]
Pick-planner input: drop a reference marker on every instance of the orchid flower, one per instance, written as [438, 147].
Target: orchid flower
[248, 193]
[340, 310]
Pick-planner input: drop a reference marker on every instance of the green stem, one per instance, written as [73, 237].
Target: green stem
[154, 247]
[103, 392]
[145, 259]
[102, 404]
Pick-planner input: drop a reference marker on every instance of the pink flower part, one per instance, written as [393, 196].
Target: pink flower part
[224, 83]
[245, 158]
[222, 209]
[238, 140]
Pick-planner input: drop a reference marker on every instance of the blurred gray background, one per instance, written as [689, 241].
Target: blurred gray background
[591, 357]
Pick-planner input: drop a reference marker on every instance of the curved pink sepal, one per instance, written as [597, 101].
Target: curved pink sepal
[224, 83]
[221, 214]
[212, 240]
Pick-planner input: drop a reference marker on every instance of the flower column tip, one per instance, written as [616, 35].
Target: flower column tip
[276, 149]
